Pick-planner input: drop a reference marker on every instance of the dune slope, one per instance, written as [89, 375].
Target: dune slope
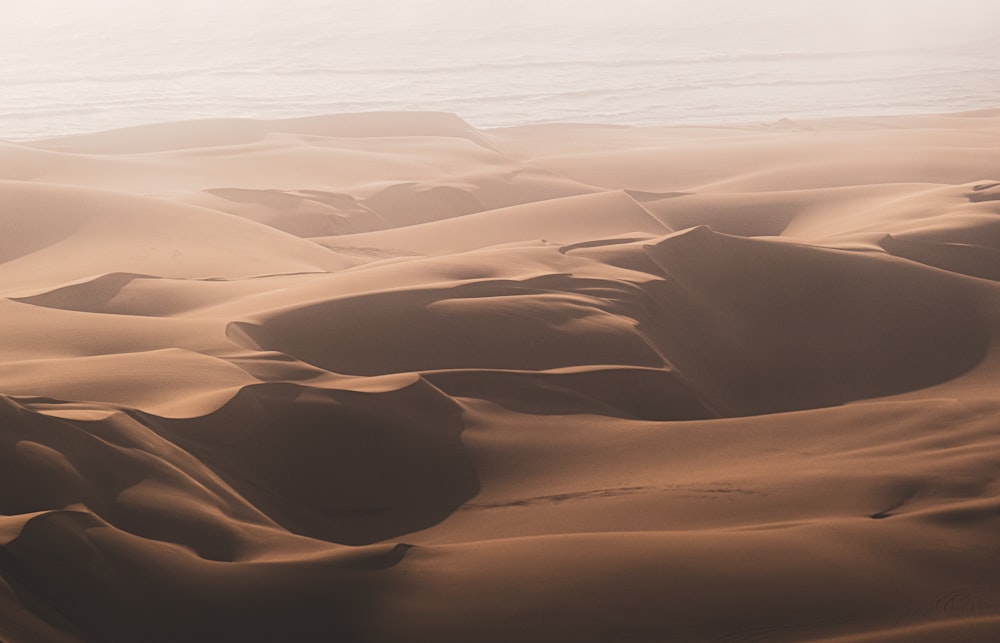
[386, 377]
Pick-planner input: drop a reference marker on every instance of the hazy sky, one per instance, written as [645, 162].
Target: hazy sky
[815, 23]
[67, 64]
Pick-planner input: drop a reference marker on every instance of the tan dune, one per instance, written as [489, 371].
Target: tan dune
[386, 377]
[53, 234]
[566, 220]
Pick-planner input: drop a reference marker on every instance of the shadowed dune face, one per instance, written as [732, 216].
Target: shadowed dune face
[750, 326]
[972, 260]
[108, 584]
[989, 191]
[386, 378]
[340, 466]
[640, 393]
[118, 470]
[774, 327]
[346, 467]
[493, 325]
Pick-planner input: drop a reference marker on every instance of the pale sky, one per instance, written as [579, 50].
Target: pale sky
[865, 23]
[68, 65]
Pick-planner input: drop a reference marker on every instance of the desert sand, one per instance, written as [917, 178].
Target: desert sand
[387, 377]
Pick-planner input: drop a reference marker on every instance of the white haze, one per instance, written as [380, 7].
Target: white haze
[72, 66]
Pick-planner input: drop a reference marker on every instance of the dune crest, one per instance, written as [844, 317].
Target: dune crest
[386, 377]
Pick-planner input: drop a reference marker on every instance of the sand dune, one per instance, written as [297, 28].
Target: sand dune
[386, 377]
[53, 234]
[567, 220]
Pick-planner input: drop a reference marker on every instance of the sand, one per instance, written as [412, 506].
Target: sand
[386, 377]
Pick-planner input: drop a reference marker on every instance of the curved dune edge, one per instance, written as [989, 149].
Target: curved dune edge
[960, 629]
[386, 377]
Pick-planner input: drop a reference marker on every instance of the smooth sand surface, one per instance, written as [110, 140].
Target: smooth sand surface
[385, 377]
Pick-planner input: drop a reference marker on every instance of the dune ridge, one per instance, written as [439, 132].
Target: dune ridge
[386, 377]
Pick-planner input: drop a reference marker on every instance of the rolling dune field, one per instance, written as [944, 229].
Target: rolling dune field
[389, 377]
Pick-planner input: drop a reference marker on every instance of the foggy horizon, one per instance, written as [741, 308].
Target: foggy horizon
[72, 67]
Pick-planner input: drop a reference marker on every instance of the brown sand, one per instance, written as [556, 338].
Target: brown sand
[385, 377]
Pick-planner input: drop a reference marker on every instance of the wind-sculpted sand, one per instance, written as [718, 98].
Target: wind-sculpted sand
[385, 377]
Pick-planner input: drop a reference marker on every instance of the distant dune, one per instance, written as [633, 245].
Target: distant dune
[386, 377]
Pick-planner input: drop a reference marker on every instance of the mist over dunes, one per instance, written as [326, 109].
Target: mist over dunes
[69, 67]
[391, 377]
